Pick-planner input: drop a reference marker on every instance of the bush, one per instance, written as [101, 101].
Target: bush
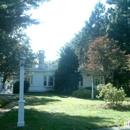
[111, 94]
[83, 93]
[16, 87]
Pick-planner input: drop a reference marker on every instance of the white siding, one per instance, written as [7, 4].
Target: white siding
[38, 79]
[86, 81]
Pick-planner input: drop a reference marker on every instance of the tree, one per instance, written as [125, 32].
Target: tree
[13, 42]
[119, 25]
[94, 27]
[104, 56]
[9, 62]
[119, 30]
[13, 14]
[98, 22]
[67, 75]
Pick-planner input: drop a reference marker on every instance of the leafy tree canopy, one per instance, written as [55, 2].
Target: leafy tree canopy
[104, 56]
[13, 41]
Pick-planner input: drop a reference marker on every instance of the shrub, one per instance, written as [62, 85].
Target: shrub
[111, 94]
[83, 93]
[16, 87]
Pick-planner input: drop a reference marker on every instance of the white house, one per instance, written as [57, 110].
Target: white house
[89, 78]
[42, 78]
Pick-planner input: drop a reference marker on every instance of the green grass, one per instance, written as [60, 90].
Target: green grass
[52, 112]
[3, 100]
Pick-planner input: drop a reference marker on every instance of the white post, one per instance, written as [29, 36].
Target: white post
[21, 101]
[92, 92]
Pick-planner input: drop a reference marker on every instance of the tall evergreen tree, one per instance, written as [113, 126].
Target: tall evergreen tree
[98, 22]
[119, 26]
[94, 27]
[67, 75]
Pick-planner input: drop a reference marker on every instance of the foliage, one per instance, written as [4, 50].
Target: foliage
[16, 87]
[67, 75]
[115, 22]
[104, 56]
[94, 27]
[111, 94]
[13, 14]
[119, 25]
[118, 29]
[121, 78]
[10, 60]
[13, 41]
[84, 93]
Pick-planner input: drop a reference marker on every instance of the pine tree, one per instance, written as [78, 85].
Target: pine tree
[119, 26]
[67, 75]
[94, 27]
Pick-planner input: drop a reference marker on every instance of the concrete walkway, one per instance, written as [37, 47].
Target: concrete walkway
[9, 93]
[112, 128]
[6, 91]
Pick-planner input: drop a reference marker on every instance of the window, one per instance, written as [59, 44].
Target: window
[81, 81]
[97, 80]
[45, 80]
[51, 81]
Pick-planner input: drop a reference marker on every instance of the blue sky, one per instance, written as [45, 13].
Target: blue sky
[60, 21]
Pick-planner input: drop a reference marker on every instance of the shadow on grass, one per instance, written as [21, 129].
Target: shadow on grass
[47, 94]
[34, 100]
[35, 120]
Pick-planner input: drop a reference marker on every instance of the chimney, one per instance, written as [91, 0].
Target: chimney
[41, 59]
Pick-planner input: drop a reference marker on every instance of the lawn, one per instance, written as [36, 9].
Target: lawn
[52, 112]
[3, 100]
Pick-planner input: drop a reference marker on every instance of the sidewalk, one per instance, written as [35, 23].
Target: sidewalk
[7, 108]
[112, 128]
[9, 93]
[6, 91]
